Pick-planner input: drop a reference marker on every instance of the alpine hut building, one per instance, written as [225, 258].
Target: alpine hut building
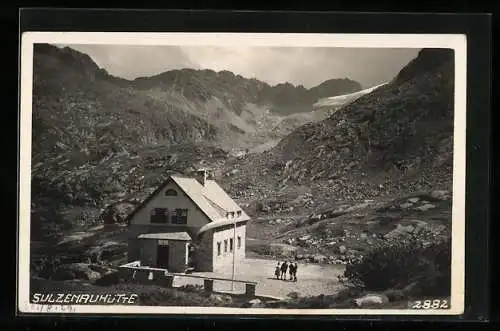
[187, 222]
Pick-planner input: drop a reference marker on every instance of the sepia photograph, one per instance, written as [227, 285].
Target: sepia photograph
[242, 173]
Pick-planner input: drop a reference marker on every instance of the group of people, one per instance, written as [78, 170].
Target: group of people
[282, 268]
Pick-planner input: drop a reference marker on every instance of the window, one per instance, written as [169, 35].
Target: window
[218, 248]
[232, 214]
[231, 244]
[171, 192]
[225, 246]
[239, 242]
[159, 215]
[180, 216]
[238, 213]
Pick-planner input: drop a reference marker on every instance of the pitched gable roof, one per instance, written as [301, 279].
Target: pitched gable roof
[215, 193]
[210, 198]
[194, 190]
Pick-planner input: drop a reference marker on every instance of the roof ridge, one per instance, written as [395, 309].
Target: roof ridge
[213, 202]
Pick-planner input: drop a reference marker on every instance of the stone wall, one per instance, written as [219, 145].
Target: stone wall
[204, 255]
[146, 276]
[160, 277]
[177, 260]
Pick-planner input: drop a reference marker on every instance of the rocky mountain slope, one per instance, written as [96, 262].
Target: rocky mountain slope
[78, 108]
[99, 139]
[71, 92]
[379, 166]
[235, 91]
[83, 119]
[404, 128]
[398, 138]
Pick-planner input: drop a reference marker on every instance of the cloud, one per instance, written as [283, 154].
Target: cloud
[299, 66]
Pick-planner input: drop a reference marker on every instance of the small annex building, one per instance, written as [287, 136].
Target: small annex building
[188, 221]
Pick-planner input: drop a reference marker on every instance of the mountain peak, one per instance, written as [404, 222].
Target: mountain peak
[206, 84]
[404, 124]
[428, 59]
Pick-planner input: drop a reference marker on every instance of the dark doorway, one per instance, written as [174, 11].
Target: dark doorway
[162, 257]
[191, 255]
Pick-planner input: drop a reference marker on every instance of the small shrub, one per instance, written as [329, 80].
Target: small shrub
[349, 293]
[191, 288]
[261, 207]
[337, 232]
[401, 263]
[46, 267]
[321, 302]
[293, 295]
[316, 302]
[395, 295]
[109, 279]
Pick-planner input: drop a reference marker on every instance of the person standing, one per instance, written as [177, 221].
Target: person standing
[277, 271]
[284, 268]
[295, 271]
[291, 270]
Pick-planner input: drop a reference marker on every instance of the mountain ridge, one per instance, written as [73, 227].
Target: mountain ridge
[217, 106]
[305, 97]
[389, 128]
[84, 119]
[396, 139]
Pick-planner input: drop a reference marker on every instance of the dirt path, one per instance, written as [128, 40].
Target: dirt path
[313, 279]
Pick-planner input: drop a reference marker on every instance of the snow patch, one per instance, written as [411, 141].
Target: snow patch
[342, 100]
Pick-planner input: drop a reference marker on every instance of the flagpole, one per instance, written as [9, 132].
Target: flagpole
[234, 253]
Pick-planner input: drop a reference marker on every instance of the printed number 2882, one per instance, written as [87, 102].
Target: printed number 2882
[430, 304]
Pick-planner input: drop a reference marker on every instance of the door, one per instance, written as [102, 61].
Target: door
[162, 257]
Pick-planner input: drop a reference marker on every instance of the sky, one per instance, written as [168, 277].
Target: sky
[297, 65]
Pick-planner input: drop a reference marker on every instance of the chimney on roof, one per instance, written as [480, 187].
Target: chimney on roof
[201, 175]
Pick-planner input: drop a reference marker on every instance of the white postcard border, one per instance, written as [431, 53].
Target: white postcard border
[451, 41]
